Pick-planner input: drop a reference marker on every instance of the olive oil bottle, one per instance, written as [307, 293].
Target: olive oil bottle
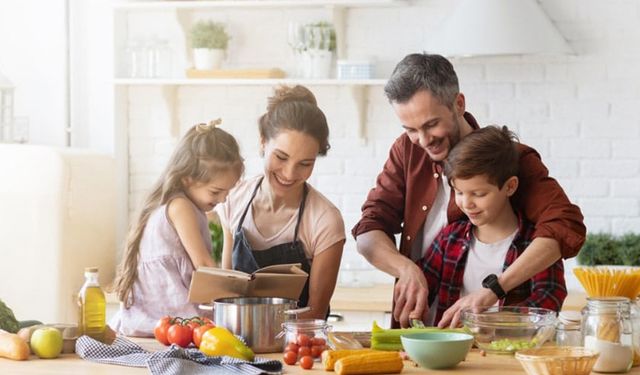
[92, 306]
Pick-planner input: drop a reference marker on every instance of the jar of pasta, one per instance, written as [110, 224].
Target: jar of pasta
[607, 328]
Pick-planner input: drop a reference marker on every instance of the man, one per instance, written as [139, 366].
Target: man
[413, 197]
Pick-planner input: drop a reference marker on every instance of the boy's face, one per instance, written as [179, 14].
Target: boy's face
[482, 201]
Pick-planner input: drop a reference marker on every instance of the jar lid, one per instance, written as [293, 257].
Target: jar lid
[570, 316]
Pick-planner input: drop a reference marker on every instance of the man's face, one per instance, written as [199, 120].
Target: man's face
[430, 124]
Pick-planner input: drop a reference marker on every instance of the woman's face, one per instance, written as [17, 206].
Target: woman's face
[289, 159]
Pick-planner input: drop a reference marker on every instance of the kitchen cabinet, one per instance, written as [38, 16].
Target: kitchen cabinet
[171, 20]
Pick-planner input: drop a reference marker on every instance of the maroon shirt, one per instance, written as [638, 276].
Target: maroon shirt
[406, 189]
[445, 262]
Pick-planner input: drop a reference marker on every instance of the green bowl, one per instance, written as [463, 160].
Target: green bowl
[437, 350]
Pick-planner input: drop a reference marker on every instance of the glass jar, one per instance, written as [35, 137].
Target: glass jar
[607, 328]
[635, 322]
[568, 329]
[305, 337]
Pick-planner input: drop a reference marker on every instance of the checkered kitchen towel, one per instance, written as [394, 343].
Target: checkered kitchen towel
[174, 360]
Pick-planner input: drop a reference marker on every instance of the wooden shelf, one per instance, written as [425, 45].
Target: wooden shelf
[205, 4]
[245, 82]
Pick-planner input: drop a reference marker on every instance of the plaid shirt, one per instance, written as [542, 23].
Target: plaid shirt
[445, 261]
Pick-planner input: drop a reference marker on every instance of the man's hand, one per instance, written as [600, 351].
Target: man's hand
[411, 296]
[477, 301]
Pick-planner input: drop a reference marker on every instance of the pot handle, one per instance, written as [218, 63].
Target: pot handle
[206, 307]
[297, 311]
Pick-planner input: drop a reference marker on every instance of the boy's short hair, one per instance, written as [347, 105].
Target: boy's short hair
[489, 151]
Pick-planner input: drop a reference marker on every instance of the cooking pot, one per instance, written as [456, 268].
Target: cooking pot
[258, 320]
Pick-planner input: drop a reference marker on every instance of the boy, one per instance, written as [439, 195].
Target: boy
[467, 255]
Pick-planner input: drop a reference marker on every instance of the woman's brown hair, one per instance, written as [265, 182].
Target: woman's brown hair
[203, 152]
[295, 108]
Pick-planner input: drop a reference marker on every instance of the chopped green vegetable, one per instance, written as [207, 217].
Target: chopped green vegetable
[389, 339]
[508, 345]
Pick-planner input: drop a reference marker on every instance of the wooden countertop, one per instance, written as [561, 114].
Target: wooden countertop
[475, 363]
[72, 364]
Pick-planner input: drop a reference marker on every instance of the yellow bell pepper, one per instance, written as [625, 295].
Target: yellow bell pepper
[219, 341]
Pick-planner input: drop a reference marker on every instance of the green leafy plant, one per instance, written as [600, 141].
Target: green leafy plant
[607, 249]
[217, 240]
[332, 33]
[209, 34]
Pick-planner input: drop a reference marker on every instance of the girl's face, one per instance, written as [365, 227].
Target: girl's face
[206, 195]
[289, 160]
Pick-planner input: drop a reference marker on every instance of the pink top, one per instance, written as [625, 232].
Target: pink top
[164, 276]
[321, 225]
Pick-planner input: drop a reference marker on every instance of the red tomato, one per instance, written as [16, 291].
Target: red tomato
[206, 320]
[306, 362]
[304, 351]
[180, 334]
[318, 341]
[316, 350]
[199, 331]
[303, 340]
[194, 323]
[160, 330]
[290, 357]
[291, 347]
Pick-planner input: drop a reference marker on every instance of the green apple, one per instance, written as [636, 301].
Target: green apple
[46, 342]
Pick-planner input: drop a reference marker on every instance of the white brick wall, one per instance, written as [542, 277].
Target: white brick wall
[580, 111]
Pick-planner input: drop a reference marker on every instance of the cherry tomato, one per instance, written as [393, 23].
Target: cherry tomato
[318, 341]
[194, 323]
[304, 351]
[180, 334]
[199, 331]
[306, 362]
[316, 350]
[303, 340]
[290, 357]
[160, 330]
[206, 320]
[291, 347]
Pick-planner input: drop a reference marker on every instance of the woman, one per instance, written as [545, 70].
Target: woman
[276, 217]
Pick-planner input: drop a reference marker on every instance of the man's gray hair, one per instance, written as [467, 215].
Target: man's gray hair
[422, 71]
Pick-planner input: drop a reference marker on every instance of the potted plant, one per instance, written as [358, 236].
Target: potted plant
[607, 249]
[320, 43]
[209, 41]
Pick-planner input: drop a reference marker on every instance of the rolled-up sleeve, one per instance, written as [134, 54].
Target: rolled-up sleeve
[384, 208]
[544, 203]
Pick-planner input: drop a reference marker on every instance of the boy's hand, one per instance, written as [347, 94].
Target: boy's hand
[477, 301]
[410, 296]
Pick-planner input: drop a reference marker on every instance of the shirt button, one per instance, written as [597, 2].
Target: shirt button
[408, 238]
[424, 208]
[435, 175]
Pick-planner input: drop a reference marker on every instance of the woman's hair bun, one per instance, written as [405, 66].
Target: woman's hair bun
[286, 94]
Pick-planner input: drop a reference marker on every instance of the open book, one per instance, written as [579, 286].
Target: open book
[278, 280]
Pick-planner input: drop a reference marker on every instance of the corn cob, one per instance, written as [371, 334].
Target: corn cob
[370, 363]
[329, 357]
[389, 339]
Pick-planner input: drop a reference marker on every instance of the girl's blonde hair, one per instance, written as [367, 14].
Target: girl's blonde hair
[201, 154]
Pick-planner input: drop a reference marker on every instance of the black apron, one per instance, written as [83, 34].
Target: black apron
[245, 259]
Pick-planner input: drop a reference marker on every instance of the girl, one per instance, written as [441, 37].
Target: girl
[171, 237]
[276, 217]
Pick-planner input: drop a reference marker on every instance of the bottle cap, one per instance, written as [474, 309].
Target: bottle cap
[91, 269]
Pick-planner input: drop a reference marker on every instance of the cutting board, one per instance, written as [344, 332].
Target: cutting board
[237, 73]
